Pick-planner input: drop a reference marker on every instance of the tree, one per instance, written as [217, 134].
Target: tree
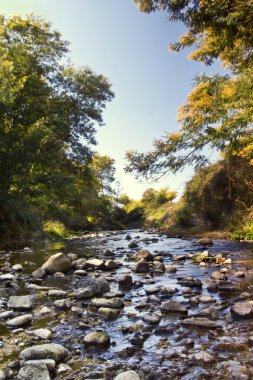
[49, 112]
[219, 111]
[218, 29]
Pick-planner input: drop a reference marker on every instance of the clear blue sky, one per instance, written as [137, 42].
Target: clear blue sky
[115, 39]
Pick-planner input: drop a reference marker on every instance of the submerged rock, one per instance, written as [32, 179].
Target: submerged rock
[57, 263]
[97, 339]
[45, 351]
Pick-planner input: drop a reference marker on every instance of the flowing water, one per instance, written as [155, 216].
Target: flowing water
[156, 351]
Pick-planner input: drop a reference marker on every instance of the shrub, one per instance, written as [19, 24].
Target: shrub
[55, 229]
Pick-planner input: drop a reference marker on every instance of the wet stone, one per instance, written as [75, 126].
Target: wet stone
[37, 371]
[39, 273]
[150, 318]
[57, 263]
[109, 313]
[170, 269]
[142, 255]
[228, 286]
[50, 363]
[125, 282]
[203, 357]
[219, 276]
[113, 303]
[128, 375]
[141, 267]
[45, 351]
[201, 323]
[242, 310]
[174, 307]
[19, 321]
[57, 293]
[97, 339]
[41, 333]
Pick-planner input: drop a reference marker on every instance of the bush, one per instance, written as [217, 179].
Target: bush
[55, 229]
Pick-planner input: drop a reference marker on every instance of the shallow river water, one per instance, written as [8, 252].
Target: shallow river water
[159, 348]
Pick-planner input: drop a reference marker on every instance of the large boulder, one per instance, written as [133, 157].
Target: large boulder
[128, 375]
[45, 351]
[57, 263]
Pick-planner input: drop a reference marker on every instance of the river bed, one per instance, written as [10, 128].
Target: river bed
[143, 337]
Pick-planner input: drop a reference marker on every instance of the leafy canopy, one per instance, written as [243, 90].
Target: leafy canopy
[218, 113]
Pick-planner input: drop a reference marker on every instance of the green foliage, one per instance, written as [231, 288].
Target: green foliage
[245, 233]
[54, 229]
[218, 114]
[49, 112]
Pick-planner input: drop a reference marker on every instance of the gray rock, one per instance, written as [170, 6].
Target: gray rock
[45, 351]
[179, 257]
[128, 375]
[109, 313]
[219, 276]
[6, 314]
[201, 323]
[228, 286]
[19, 321]
[133, 244]
[57, 293]
[206, 299]
[97, 339]
[174, 307]
[242, 310]
[204, 241]
[126, 282]
[57, 263]
[111, 264]
[94, 264]
[142, 254]
[39, 273]
[158, 267]
[38, 371]
[141, 267]
[170, 269]
[17, 267]
[41, 333]
[50, 363]
[151, 318]
[20, 302]
[63, 368]
[203, 357]
[7, 277]
[63, 304]
[83, 293]
[2, 375]
[113, 303]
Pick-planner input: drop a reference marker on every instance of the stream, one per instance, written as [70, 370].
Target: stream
[148, 333]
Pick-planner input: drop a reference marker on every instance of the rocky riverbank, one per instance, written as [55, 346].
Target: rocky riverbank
[127, 306]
